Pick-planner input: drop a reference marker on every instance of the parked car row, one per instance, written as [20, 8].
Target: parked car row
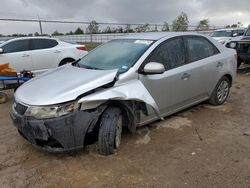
[38, 54]
[226, 35]
[242, 46]
[124, 83]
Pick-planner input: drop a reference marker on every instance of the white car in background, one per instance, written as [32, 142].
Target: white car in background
[38, 54]
[226, 35]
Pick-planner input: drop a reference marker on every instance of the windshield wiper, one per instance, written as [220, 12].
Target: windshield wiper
[75, 63]
[88, 67]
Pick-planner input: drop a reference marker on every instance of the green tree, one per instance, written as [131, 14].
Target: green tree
[56, 33]
[78, 31]
[107, 30]
[181, 22]
[238, 24]
[203, 25]
[128, 29]
[155, 29]
[93, 27]
[119, 29]
[165, 27]
[142, 28]
[70, 33]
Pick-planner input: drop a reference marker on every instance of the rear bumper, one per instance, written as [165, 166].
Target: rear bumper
[61, 134]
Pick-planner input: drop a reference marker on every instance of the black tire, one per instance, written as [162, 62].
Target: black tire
[219, 96]
[3, 97]
[110, 130]
[239, 62]
[65, 61]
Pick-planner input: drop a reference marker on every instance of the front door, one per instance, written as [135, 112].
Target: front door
[17, 54]
[169, 89]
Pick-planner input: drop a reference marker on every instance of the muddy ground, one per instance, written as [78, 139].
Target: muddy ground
[204, 146]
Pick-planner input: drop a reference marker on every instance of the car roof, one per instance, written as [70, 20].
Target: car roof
[22, 38]
[155, 35]
[231, 29]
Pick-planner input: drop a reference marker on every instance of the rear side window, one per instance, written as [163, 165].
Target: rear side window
[200, 48]
[16, 46]
[241, 32]
[171, 54]
[38, 44]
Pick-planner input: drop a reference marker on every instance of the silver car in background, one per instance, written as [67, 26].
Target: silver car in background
[124, 83]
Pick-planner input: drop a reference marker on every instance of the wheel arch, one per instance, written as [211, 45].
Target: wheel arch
[230, 78]
[65, 59]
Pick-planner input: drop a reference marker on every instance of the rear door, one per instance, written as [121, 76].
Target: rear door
[170, 89]
[204, 65]
[18, 54]
[44, 53]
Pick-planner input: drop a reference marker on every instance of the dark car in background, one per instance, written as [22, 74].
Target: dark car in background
[242, 46]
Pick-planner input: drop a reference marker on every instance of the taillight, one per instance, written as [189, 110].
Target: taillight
[83, 48]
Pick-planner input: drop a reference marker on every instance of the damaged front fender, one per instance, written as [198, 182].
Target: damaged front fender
[133, 90]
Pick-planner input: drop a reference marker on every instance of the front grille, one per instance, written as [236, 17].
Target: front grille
[20, 109]
[243, 48]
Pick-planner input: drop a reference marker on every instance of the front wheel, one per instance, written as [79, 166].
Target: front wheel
[221, 92]
[109, 137]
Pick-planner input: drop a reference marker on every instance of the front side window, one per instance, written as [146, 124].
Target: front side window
[248, 32]
[16, 46]
[224, 33]
[241, 32]
[200, 48]
[117, 54]
[38, 44]
[171, 54]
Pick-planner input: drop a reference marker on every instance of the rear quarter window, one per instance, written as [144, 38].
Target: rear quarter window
[199, 48]
[38, 44]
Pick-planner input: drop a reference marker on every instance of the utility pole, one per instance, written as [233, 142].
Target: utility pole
[40, 25]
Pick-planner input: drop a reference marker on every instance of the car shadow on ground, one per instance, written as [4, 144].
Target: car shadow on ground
[244, 69]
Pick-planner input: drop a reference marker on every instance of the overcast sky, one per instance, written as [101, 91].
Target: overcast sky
[219, 12]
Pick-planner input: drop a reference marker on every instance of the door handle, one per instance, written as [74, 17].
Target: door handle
[219, 64]
[57, 51]
[185, 76]
[25, 55]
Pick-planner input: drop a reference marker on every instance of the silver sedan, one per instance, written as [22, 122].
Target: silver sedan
[124, 83]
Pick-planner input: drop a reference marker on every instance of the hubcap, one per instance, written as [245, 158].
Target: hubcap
[118, 132]
[222, 91]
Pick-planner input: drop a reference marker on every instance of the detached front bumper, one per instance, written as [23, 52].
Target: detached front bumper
[61, 134]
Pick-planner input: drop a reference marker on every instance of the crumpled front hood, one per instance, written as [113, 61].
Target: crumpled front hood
[62, 85]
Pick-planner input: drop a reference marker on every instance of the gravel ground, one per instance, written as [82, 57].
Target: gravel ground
[204, 146]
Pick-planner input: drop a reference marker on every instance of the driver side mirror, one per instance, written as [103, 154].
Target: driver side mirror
[1, 51]
[154, 68]
[235, 34]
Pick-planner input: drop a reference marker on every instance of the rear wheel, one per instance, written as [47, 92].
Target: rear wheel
[109, 137]
[221, 92]
[3, 97]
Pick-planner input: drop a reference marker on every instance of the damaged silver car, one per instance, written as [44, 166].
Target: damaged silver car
[124, 83]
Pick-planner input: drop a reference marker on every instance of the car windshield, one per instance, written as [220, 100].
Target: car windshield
[222, 34]
[248, 32]
[117, 54]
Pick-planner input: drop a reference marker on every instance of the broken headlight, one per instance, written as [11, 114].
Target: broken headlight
[233, 45]
[45, 112]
